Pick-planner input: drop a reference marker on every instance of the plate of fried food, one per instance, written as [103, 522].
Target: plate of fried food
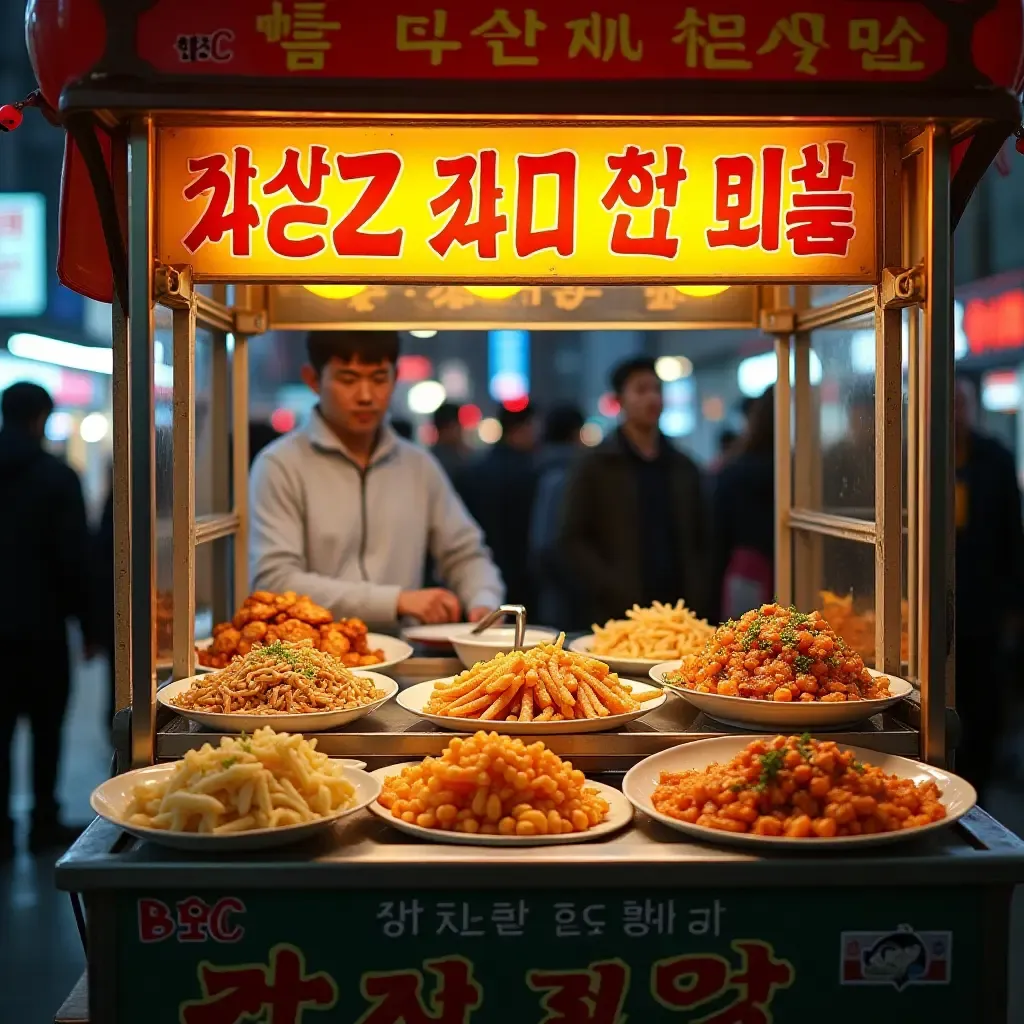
[289, 686]
[265, 618]
[777, 668]
[493, 790]
[543, 690]
[645, 637]
[250, 792]
[786, 790]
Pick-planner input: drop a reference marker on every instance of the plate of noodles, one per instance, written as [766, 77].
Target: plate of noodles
[645, 637]
[794, 791]
[776, 668]
[287, 686]
[250, 792]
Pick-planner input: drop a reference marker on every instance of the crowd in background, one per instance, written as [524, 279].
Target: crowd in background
[578, 535]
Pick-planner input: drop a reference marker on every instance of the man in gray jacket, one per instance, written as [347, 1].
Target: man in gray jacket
[346, 511]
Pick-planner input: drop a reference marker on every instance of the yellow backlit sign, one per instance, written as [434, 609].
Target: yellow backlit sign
[516, 203]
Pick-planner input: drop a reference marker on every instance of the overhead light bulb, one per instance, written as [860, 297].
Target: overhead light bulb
[426, 397]
[492, 291]
[335, 291]
[701, 291]
[423, 334]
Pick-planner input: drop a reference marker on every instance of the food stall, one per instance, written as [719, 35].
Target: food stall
[223, 157]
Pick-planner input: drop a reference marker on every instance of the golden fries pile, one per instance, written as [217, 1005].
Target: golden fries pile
[494, 785]
[268, 780]
[544, 684]
[662, 632]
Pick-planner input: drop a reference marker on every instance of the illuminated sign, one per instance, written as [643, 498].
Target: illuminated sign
[469, 203]
[996, 323]
[23, 270]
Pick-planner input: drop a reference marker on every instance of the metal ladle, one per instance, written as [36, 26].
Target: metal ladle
[518, 610]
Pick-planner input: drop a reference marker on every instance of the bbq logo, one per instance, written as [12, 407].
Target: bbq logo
[899, 958]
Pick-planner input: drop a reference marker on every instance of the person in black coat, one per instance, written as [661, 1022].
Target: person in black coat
[47, 580]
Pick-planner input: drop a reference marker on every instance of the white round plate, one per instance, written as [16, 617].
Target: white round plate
[778, 716]
[437, 634]
[111, 798]
[415, 699]
[624, 666]
[496, 640]
[395, 651]
[315, 721]
[620, 814]
[958, 796]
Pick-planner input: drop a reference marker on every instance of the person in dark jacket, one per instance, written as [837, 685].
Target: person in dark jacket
[498, 490]
[633, 526]
[47, 580]
[743, 516]
[989, 588]
[562, 444]
[450, 448]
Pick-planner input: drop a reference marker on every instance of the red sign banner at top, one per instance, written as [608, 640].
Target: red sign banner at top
[728, 40]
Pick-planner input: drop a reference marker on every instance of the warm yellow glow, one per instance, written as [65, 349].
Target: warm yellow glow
[559, 216]
[492, 291]
[335, 291]
[701, 291]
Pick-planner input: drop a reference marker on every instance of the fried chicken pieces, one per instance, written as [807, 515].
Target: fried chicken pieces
[265, 617]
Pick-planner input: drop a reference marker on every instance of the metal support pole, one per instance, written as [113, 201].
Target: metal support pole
[139, 442]
[888, 415]
[806, 545]
[240, 462]
[220, 421]
[783, 463]
[937, 469]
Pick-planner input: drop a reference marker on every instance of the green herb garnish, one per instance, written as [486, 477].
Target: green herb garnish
[228, 762]
[803, 745]
[278, 650]
[736, 787]
[752, 634]
[803, 663]
[771, 765]
[789, 637]
[858, 767]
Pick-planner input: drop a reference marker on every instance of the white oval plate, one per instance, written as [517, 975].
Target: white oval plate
[497, 640]
[395, 651]
[624, 666]
[436, 634]
[958, 795]
[778, 716]
[620, 814]
[415, 699]
[314, 721]
[111, 798]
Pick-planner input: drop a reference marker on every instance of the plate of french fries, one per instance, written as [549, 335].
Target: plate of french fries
[465, 796]
[546, 689]
[646, 637]
[249, 792]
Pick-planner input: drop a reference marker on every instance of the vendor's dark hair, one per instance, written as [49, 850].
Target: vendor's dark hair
[351, 346]
[446, 415]
[23, 404]
[625, 370]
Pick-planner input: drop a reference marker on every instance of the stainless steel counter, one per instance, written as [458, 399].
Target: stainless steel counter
[391, 734]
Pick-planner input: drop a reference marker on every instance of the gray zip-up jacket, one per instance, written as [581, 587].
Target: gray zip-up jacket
[354, 538]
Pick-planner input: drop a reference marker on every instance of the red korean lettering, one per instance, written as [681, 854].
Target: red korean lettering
[459, 198]
[193, 919]
[684, 982]
[222, 929]
[735, 180]
[397, 996]
[562, 237]
[382, 170]
[596, 995]
[289, 178]
[279, 992]
[821, 222]
[635, 186]
[805, 33]
[759, 977]
[155, 921]
[227, 189]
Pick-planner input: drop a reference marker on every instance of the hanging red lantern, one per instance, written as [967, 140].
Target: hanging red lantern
[65, 38]
[10, 117]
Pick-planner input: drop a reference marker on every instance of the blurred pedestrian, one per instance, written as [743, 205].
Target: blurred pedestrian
[46, 580]
[728, 442]
[633, 528]
[743, 516]
[345, 510]
[562, 443]
[499, 489]
[450, 448]
[989, 588]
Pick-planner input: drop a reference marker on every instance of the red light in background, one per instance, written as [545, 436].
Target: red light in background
[608, 405]
[517, 404]
[414, 368]
[994, 324]
[282, 420]
[427, 434]
[470, 416]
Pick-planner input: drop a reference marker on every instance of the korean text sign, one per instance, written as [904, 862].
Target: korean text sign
[518, 202]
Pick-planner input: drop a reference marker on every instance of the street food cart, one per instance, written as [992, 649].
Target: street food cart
[523, 166]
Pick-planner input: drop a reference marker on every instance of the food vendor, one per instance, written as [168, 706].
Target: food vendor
[346, 511]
